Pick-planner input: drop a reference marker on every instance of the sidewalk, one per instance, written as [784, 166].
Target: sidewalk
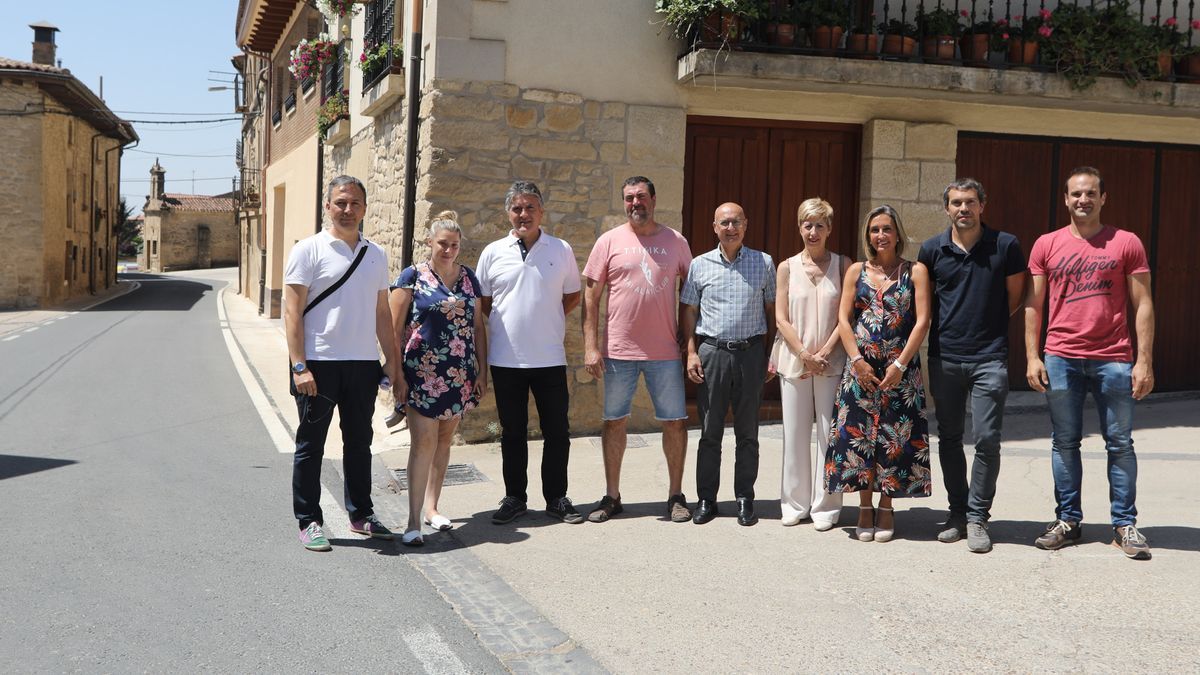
[642, 594]
[19, 320]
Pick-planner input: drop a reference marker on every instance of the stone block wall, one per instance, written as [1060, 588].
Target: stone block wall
[907, 165]
[478, 137]
[21, 239]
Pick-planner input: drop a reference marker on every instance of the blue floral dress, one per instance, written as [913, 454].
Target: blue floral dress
[439, 357]
[881, 439]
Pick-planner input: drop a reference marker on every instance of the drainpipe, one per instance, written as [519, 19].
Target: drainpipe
[108, 208]
[320, 176]
[92, 223]
[410, 154]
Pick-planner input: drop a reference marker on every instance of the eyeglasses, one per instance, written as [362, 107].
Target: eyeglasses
[732, 222]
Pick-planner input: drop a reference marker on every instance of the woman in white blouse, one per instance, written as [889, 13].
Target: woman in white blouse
[809, 357]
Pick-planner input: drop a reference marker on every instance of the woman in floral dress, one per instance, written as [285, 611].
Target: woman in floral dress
[880, 442]
[441, 335]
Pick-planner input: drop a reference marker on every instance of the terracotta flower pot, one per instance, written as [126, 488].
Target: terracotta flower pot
[827, 38]
[1189, 66]
[938, 48]
[785, 35]
[1164, 63]
[862, 46]
[1022, 52]
[899, 45]
[974, 48]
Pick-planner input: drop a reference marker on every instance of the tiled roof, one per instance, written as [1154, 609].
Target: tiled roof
[26, 65]
[197, 202]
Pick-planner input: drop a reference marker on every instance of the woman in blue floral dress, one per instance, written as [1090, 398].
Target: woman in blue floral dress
[880, 442]
[440, 332]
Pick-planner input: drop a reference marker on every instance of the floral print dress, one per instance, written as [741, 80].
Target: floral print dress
[439, 357]
[880, 441]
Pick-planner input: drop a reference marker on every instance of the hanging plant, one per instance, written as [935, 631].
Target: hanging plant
[334, 108]
[306, 59]
[339, 8]
[372, 57]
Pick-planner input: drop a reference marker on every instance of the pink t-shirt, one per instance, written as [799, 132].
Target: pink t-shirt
[1089, 292]
[643, 275]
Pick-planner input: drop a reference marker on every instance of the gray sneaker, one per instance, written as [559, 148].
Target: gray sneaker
[956, 528]
[978, 540]
[1131, 542]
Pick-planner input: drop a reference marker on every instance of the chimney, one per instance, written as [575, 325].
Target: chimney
[43, 43]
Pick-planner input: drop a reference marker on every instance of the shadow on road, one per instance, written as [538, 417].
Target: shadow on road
[19, 465]
[157, 294]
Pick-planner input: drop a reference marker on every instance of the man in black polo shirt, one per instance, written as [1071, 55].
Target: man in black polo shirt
[978, 280]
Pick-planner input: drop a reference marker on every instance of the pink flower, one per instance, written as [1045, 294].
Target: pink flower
[1171, 22]
[458, 347]
[963, 13]
[436, 386]
[1005, 36]
[1001, 22]
[1045, 14]
[1196, 24]
[1045, 31]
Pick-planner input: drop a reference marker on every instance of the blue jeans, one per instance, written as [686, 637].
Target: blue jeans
[664, 381]
[1111, 385]
[985, 386]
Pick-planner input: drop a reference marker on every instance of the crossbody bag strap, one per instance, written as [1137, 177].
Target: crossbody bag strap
[338, 284]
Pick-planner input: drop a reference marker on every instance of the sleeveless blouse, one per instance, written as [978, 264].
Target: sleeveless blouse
[813, 309]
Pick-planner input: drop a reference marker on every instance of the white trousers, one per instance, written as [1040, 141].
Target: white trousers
[802, 493]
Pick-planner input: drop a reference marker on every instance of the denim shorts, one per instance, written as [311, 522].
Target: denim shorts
[664, 380]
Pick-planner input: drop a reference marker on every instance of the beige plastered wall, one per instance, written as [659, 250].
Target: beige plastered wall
[296, 174]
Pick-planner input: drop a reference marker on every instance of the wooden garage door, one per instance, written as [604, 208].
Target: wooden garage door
[1024, 178]
[769, 168]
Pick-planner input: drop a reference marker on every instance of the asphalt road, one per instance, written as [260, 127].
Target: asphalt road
[149, 521]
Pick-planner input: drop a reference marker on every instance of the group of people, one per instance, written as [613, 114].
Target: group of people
[846, 348]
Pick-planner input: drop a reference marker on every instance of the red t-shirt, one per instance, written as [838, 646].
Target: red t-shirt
[1089, 291]
[643, 275]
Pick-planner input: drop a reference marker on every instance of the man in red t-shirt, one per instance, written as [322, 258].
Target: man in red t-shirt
[1096, 273]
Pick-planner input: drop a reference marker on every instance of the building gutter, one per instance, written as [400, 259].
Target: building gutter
[410, 150]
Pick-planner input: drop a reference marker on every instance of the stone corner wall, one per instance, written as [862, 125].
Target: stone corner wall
[478, 137]
[908, 165]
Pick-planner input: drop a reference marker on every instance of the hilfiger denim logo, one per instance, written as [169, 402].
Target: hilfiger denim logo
[1079, 276]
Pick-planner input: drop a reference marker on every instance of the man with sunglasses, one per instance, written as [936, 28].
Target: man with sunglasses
[331, 338]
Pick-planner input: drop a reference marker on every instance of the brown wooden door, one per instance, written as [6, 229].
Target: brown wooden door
[769, 167]
[1151, 192]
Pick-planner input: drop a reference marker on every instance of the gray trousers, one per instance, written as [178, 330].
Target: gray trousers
[985, 385]
[731, 378]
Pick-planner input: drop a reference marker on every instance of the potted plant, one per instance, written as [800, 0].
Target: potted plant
[899, 37]
[827, 21]
[976, 40]
[1188, 58]
[372, 56]
[862, 42]
[781, 25]
[1026, 34]
[334, 108]
[1167, 40]
[339, 8]
[699, 21]
[939, 28]
[307, 57]
[1088, 42]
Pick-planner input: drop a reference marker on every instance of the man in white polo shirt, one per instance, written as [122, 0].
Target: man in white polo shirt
[530, 282]
[331, 339]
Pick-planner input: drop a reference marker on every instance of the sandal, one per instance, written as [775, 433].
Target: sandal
[886, 535]
[865, 533]
[412, 538]
[607, 508]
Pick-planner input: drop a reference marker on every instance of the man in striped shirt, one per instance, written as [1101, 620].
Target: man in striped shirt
[728, 299]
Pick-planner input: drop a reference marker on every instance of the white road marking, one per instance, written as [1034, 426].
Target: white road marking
[279, 434]
[433, 652]
[337, 521]
[10, 337]
[30, 330]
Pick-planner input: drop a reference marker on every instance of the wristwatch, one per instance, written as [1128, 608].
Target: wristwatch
[856, 358]
[900, 366]
[299, 367]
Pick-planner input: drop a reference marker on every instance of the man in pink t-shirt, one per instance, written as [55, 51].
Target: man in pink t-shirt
[1096, 273]
[642, 264]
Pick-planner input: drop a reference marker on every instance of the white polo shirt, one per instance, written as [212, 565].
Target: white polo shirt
[526, 326]
[342, 326]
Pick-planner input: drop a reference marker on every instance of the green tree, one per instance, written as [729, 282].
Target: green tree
[129, 232]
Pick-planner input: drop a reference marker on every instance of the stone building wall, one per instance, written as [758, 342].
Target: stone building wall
[176, 232]
[22, 279]
[908, 165]
[478, 137]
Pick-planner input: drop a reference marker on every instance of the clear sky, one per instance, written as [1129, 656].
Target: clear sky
[155, 57]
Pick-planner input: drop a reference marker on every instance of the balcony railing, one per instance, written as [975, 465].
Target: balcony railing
[381, 27]
[289, 103]
[1143, 39]
[276, 117]
[333, 79]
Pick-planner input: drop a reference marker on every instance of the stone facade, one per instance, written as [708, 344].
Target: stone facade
[22, 275]
[176, 236]
[907, 165]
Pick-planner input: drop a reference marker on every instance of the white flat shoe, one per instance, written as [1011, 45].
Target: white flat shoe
[439, 522]
[865, 533]
[789, 521]
[886, 535]
[412, 538]
[823, 525]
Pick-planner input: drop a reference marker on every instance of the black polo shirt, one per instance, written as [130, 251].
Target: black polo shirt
[970, 296]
